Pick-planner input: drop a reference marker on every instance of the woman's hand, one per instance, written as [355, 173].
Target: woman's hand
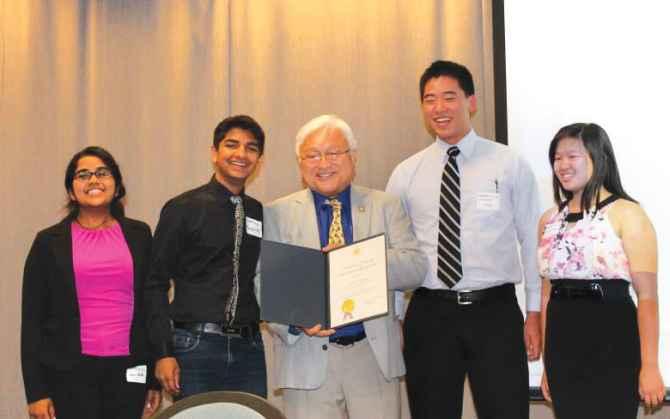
[152, 403]
[42, 409]
[545, 388]
[652, 389]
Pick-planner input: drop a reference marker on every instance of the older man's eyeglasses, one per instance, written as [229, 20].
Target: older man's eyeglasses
[314, 157]
[86, 175]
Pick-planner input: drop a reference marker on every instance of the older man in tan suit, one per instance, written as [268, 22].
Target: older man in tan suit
[352, 371]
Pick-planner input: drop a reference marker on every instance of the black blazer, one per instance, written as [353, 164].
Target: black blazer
[50, 327]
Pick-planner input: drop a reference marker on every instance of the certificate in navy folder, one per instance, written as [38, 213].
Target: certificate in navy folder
[304, 287]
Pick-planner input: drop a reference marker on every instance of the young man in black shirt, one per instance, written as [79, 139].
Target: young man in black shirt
[208, 241]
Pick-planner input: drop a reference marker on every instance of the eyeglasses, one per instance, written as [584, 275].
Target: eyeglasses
[86, 175]
[314, 157]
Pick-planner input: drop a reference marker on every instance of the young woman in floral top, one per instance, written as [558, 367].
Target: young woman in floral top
[601, 353]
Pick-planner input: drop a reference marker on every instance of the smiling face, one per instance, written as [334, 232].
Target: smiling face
[446, 108]
[573, 166]
[335, 168]
[96, 192]
[235, 159]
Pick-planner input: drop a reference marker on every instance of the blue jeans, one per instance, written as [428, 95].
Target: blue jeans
[211, 362]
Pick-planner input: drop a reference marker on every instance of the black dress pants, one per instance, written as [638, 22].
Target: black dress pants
[592, 357]
[97, 388]
[444, 341]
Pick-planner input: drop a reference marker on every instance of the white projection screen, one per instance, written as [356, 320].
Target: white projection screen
[606, 62]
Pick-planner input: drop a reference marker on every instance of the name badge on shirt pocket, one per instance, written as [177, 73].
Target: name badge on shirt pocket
[254, 228]
[488, 201]
[137, 374]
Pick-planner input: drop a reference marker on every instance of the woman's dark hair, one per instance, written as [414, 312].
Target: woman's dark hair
[116, 206]
[605, 171]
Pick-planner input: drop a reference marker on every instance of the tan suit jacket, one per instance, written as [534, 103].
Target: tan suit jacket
[300, 361]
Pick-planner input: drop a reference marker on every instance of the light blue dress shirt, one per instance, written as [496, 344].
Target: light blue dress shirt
[500, 209]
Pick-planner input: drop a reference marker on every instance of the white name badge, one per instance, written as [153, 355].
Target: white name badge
[137, 374]
[488, 201]
[254, 228]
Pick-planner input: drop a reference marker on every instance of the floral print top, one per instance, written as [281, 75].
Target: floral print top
[588, 249]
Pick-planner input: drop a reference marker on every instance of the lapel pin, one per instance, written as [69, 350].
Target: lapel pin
[361, 209]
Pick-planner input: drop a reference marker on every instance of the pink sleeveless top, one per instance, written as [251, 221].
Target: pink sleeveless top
[103, 272]
[589, 249]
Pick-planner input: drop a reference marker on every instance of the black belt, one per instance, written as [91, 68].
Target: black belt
[500, 293]
[347, 340]
[599, 290]
[240, 331]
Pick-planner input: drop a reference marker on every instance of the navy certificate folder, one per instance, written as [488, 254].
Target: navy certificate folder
[294, 289]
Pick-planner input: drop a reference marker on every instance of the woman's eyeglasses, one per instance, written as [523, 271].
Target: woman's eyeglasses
[86, 175]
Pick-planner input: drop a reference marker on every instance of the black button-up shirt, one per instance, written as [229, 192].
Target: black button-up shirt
[193, 245]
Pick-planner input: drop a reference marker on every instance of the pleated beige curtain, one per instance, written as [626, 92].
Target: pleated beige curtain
[149, 80]
[292, 60]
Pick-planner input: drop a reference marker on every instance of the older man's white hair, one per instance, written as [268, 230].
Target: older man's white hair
[325, 121]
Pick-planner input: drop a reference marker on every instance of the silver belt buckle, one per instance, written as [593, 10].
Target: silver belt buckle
[462, 302]
[597, 288]
[212, 328]
[232, 331]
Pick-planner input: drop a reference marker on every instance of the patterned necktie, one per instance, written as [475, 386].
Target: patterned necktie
[335, 232]
[449, 268]
[231, 305]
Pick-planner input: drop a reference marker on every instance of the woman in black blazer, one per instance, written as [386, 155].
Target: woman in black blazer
[84, 350]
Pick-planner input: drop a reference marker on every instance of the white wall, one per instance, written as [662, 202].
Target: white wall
[605, 62]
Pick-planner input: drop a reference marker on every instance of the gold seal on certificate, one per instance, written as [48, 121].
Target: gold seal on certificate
[348, 307]
[358, 274]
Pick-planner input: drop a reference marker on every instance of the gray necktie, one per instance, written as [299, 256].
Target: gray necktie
[231, 305]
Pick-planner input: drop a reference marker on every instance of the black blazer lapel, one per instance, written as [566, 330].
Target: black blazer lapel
[61, 246]
[136, 246]
[138, 239]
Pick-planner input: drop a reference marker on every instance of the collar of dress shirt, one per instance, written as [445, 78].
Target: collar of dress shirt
[324, 215]
[344, 197]
[221, 190]
[466, 145]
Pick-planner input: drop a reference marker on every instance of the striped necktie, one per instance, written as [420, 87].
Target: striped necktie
[449, 267]
[335, 232]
